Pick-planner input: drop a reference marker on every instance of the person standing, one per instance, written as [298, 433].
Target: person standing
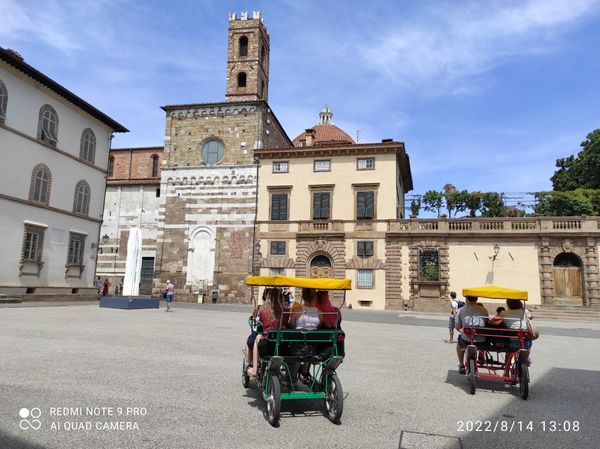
[169, 289]
[105, 287]
[98, 285]
[452, 319]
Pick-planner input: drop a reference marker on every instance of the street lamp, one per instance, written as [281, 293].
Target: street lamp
[496, 250]
[105, 239]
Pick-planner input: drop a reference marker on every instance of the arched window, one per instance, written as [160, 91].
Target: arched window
[48, 125]
[320, 267]
[212, 152]
[154, 166]
[567, 260]
[111, 166]
[3, 101]
[243, 46]
[81, 199]
[87, 150]
[41, 180]
[242, 79]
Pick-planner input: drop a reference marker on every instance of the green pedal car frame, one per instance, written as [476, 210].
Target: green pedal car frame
[274, 373]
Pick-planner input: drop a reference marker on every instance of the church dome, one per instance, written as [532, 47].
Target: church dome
[324, 133]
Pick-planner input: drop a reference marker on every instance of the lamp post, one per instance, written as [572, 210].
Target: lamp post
[496, 251]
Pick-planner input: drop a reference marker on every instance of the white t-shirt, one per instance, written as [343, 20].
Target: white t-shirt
[472, 316]
[453, 306]
[309, 320]
[516, 318]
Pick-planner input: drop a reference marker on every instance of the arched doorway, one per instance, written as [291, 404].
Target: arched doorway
[320, 267]
[568, 279]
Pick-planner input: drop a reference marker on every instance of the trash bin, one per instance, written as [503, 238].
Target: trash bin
[215, 295]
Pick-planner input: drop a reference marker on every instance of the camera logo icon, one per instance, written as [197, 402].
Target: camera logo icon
[29, 418]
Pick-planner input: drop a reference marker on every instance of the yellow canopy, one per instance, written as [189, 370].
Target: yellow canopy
[287, 281]
[494, 292]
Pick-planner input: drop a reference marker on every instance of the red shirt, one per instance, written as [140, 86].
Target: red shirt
[330, 317]
[268, 321]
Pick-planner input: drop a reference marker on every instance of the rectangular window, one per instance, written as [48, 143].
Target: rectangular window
[33, 242]
[365, 205]
[365, 279]
[280, 167]
[276, 271]
[322, 165]
[158, 192]
[321, 205]
[279, 207]
[75, 250]
[278, 248]
[155, 167]
[365, 163]
[364, 248]
[429, 265]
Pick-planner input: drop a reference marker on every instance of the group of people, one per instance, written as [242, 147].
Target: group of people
[104, 287]
[314, 312]
[474, 314]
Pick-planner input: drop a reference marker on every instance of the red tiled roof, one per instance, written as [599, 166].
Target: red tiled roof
[326, 135]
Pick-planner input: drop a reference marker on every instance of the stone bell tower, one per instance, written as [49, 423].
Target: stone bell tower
[247, 58]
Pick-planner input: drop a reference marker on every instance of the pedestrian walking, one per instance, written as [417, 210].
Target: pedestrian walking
[98, 285]
[452, 319]
[168, 294]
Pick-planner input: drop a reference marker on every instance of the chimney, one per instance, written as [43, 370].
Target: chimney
[310, 137]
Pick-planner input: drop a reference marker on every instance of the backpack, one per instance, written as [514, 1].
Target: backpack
[460, 304]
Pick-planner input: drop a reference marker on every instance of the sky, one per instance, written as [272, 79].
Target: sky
[486, 95]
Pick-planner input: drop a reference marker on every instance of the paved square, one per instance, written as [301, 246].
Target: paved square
[181, 371]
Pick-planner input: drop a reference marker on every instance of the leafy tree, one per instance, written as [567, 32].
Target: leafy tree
[458, 201]
[433, 201]
[556, 204]
[473, 203]
[513, 211]
[581, 171]
[492, 205]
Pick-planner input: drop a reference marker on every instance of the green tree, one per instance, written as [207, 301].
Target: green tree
[473, 203]
[557, 204]
[433, 201]
[581, 171]
[492, 205]
[415, 206]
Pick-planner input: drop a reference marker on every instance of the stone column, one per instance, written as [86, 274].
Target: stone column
[591, 274]
[546, 278]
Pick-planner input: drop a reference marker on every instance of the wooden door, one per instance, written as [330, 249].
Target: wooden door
[567, 282]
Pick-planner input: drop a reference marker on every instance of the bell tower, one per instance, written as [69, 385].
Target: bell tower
[247, 58]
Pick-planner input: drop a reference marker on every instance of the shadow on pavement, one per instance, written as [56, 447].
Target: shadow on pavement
[11, 442]
[560, 401]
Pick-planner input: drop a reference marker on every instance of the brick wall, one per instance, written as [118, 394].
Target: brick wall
[135, 163]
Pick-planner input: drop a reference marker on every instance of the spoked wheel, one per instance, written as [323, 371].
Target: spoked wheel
[245, 377]
[472, 373]
[523, 380]
[274, 401]
[334, 399]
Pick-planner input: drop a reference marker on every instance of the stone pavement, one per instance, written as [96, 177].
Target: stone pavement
[182, 372]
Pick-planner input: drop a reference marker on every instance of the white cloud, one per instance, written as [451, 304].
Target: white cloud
[447, 48]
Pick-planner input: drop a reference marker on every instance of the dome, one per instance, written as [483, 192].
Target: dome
[324, 133]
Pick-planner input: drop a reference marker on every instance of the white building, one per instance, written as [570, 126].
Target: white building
[52, 184]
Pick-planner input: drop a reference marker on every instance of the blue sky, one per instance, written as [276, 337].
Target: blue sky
[485, 94]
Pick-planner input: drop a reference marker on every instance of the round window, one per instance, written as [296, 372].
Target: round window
[212, 152]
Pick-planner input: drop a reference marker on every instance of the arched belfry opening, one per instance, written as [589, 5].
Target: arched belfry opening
[568, 278]
[241, 79]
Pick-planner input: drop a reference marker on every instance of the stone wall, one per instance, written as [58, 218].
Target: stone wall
[135, 163]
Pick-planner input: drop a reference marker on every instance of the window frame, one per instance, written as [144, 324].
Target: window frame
[245, 46]
[359, 159]
[82, 198]
[87, 146]
[322, 194]
[365, 244]
[322, 160]
[3, 102]
[39, 231]
[220, 148]
[155, 166]
[47, 117]
[358, 279]
[242, 80]
[275, 247]
[44, 188]
[278, 163]
[80, 239]
[279, 192]
[422, 276]
[365, 194]
[111, 167]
